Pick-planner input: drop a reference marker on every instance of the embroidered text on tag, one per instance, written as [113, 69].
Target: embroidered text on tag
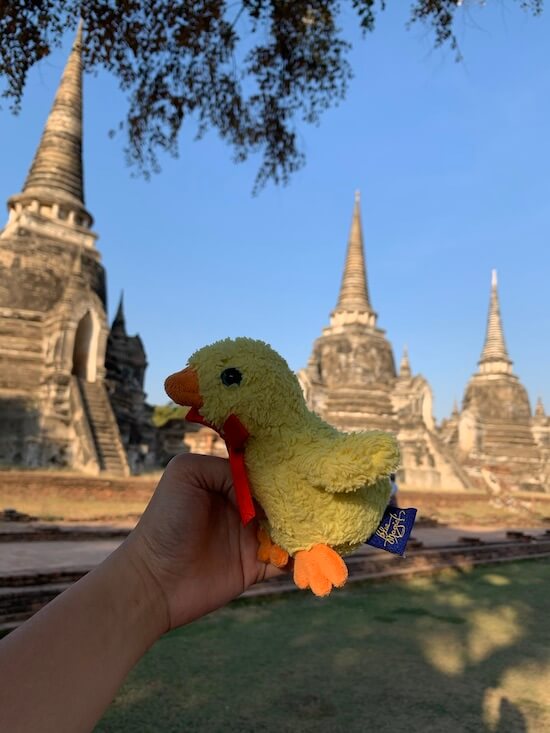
[393, 532]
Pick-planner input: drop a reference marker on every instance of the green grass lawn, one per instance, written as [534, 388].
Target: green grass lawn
[445, 654]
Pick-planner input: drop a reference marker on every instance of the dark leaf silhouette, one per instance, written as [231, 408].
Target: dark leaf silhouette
[252, 70]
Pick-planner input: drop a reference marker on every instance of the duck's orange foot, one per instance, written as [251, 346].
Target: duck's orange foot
[320, 569]
[268, 551]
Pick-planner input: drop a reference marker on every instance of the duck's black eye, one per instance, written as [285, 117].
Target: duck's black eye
[231, 376]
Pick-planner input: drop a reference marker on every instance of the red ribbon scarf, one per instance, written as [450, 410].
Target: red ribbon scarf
[235, 436]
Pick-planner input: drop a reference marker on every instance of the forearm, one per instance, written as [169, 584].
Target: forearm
[61, 669]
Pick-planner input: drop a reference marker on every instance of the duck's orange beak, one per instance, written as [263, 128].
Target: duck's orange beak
[183, 388]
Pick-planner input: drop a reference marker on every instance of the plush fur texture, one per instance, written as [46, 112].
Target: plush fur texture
[317, 485]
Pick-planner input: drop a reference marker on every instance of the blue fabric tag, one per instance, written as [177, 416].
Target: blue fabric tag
[394, 530]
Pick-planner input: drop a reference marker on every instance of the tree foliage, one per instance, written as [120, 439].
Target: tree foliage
[162, 414]
[250, 69]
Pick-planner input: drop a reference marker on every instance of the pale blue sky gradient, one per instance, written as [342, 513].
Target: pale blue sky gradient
[453, 164]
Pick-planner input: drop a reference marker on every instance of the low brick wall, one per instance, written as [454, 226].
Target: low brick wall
[139, 486]
[16, 607]
[74, 497]
[430, 501]
[24, 594]
[421, 562]
[55, 534]
[16, 485]
[31, 481]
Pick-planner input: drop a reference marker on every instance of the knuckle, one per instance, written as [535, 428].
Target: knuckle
[183, 462]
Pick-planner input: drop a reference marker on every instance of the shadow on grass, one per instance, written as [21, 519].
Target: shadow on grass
[463, 651]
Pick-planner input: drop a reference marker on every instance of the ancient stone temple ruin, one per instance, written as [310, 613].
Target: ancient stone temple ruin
[54, 406]
[492, 443]
[351, 380]
[71, 389]
[494, 436]
[125, 364]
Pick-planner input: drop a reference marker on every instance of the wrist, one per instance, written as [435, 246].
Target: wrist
[142, 598]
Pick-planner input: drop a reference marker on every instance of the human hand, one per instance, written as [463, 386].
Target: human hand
[191, 543]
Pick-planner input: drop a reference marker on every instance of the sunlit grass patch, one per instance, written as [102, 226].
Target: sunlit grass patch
[445, 654]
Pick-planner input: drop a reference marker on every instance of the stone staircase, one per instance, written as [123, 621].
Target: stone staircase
[445, 456]
[110, 451]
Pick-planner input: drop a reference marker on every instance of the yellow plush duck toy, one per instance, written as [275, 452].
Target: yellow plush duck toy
[323, 491]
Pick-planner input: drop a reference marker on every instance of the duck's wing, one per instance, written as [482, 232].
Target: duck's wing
[349, 462]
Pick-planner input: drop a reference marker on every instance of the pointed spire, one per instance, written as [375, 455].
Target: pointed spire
[539, 409]
[455, 408]
[354, 293]
[405, 366]
[494, 356]
[57, 165]
[119, 322]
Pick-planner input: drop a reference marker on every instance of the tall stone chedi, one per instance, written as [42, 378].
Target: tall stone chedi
[351, 371]
[54, 408]
[493, 436]
[351, 380]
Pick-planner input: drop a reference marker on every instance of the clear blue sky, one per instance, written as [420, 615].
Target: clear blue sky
[453, 163]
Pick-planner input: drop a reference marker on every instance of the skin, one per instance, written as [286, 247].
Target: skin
[188, 555]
